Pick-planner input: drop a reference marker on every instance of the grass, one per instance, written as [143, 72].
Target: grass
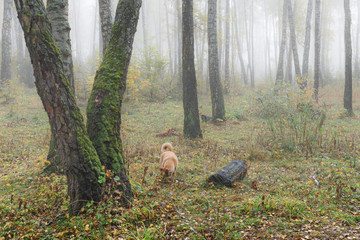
[278, 199]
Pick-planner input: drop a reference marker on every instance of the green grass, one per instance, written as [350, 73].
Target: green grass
[278, 199]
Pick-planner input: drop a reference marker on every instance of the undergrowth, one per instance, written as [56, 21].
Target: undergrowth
[299, 185]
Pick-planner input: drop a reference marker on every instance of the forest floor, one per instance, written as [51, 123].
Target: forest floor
[297, 187]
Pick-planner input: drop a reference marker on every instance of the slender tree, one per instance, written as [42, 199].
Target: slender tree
[280, 68]
[190, 100]
[239, 46]
[356, 65]
[227, 47]
[106, 22]
[348, 59]
[305, 66]
[293, 42]
[81, 161]
[6, 43]
[317, 50]
[217, 98]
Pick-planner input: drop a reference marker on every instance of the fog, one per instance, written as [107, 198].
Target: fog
[162, 29]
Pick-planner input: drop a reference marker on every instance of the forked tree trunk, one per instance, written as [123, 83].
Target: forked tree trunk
[190, 100]
[6, 43]
[317, 50]
[104, 106]
[348, 59]
[82, 165]
[106, 23]
[217, 98]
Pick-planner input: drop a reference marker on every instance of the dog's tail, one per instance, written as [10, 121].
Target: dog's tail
[166, 147]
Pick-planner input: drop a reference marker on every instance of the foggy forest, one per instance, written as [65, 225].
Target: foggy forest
[180, 119]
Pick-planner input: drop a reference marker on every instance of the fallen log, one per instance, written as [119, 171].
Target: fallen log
[234, 171]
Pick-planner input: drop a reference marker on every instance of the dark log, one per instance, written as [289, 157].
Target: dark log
[234, 171]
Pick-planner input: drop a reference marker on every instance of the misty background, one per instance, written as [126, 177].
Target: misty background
[258, 24]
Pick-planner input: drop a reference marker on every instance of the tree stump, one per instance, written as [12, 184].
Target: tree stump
[234, 171]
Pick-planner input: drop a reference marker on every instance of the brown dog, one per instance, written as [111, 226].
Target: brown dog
[168, 161]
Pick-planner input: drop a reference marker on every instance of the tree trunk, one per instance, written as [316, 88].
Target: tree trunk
[294, 44]
[235, 171]
[180, 45]
[217, 98]
[106, 22]
[289, 69]
[280, 69]
[348, 59]
[168, 40]
[356, 65]
[104, 106]
[317, 50]
[6, 43]
[82, 165]
[239, 46]
[305, 66]
[57, 11]
[227, 47]
[190, 100]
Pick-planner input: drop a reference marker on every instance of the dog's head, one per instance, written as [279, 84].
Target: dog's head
[164, 170]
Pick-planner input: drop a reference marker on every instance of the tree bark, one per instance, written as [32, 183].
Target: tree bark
[104, 106]
[190, 101]
[6, 43]
[57, 11]
[106, 22]
[317, 50]
[305, 66]
[82, 165]
[280, 69]
[348, 59]
[217, 98]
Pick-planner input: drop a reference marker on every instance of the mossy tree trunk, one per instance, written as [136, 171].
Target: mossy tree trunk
[81, 162]
[104, 106]
[106, 22]
[6, 43]
[348, 59]
[216, 90]
[57, 11]
[190, 100]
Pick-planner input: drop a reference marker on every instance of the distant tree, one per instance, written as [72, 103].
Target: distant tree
[6, 43]
[357, 63]
[57, 11]
[239, 46]
[82, 164]
[227, 47]
[280, 68]
[190, 100]
[217, 98]
[293, 42]
[305, 66]
[348, 59]
[317, 50]
[106, 22]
